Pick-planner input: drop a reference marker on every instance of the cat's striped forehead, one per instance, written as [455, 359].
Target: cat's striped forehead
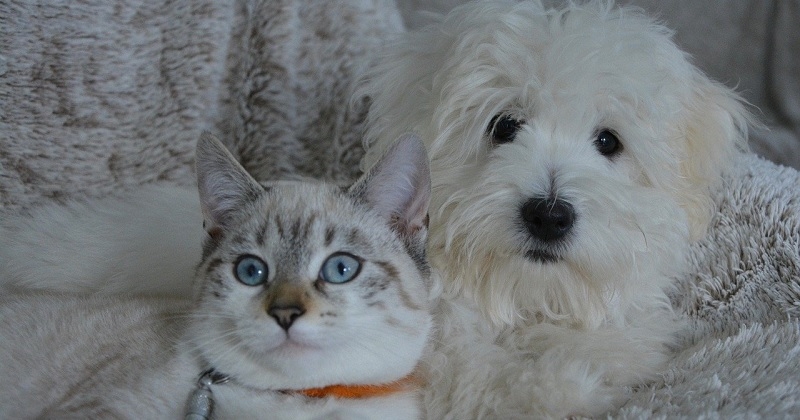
[300, 212]
[292, 219]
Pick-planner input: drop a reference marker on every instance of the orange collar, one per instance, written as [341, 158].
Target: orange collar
[408, 383]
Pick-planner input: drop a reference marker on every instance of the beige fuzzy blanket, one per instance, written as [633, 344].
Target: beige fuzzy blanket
[742, 356]
[99, 97]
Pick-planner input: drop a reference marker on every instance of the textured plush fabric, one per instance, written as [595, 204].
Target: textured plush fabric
[100, 97]
[741, 354]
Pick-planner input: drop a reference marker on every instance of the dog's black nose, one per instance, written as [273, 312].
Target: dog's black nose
[548, 219]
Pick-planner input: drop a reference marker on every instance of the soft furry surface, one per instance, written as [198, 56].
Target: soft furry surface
[96, 99]
[101, 96]
[742, 356]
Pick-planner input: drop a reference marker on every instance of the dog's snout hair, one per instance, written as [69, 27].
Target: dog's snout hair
[548, 219]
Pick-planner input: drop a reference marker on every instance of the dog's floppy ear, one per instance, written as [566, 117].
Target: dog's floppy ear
[715, 130]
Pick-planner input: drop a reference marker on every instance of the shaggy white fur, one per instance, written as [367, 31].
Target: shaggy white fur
[573, 152]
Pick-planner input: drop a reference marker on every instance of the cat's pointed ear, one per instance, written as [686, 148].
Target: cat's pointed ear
[224, 185]
[398, 186]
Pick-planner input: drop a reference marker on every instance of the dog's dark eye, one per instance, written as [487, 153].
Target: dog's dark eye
[503, 129]
[607, 143]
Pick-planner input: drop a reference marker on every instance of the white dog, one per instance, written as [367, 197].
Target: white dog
[572, 154]
[573, 151]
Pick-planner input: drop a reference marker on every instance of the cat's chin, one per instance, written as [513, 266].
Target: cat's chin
[291, 346]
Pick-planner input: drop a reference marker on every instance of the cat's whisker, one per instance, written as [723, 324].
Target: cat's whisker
[213, 340]
[375, 348]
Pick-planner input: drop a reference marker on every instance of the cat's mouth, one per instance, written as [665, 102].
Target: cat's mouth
[294, 344]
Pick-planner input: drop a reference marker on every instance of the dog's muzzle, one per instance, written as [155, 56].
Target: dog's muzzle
[549, 221]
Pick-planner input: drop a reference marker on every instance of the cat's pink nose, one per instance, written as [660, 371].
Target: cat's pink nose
[285, 315]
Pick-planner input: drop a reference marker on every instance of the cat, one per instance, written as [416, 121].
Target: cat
[310, 301]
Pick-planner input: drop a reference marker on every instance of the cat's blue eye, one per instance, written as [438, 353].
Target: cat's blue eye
[251, 270]
[340, 268]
